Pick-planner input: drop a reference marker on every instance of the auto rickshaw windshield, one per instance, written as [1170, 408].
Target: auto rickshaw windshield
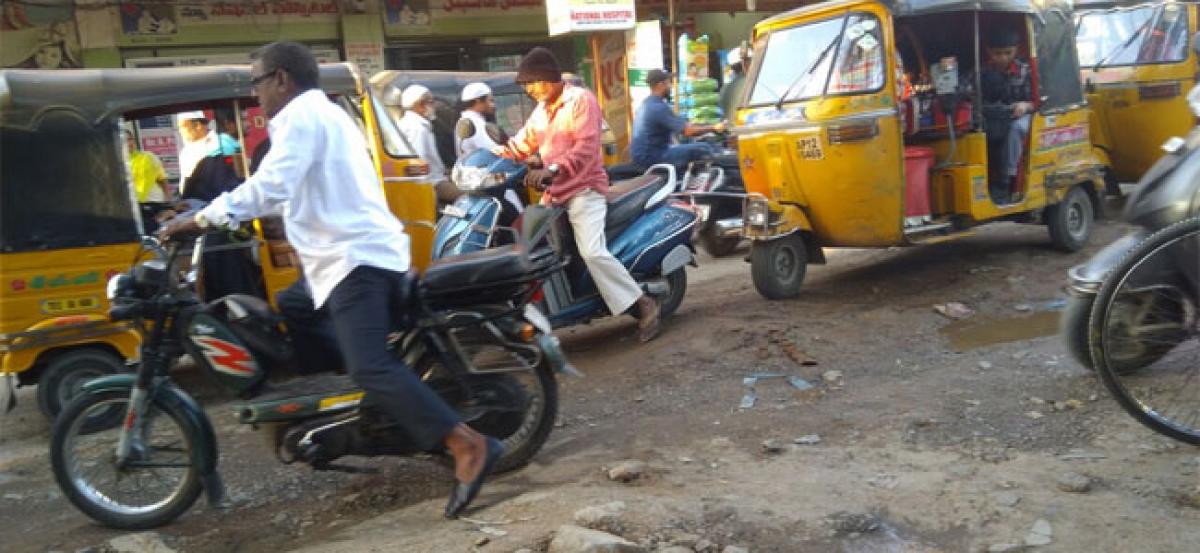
[797, 61]
[1132, 36]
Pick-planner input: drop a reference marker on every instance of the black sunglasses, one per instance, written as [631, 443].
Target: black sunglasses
[255, 81]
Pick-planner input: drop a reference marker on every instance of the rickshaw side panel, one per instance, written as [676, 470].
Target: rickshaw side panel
[53, 291]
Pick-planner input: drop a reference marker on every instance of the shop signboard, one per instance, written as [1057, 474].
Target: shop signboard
[574, 16]
[462, 17]
[368, 56]
[645, 53]
[609, 53]
[155, 23]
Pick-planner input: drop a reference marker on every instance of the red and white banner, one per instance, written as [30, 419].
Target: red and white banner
[573, 16]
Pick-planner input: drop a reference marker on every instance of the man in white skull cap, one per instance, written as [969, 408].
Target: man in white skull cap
[478, 105]
[417, 127]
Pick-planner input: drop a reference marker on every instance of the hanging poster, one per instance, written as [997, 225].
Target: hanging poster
[37, 36]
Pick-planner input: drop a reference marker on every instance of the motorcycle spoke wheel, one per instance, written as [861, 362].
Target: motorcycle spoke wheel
[153, 486]
[1147, 348]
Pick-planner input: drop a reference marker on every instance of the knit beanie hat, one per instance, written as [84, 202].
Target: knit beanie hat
[538, 65]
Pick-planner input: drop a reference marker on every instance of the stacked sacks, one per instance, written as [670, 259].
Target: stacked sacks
[698, 97]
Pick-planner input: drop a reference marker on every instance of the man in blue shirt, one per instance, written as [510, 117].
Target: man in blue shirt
[656, 123]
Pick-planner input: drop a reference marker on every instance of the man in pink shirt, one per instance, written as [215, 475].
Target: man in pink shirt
[565, 130]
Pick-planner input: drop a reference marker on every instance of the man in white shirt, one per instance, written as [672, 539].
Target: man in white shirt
[193, 127]
[354, 252]
[417, 127]
[478, 106]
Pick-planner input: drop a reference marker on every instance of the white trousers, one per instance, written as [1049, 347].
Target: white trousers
[586, 211]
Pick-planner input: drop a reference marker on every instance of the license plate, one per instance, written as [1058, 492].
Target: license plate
[454, 211]
[810, 148]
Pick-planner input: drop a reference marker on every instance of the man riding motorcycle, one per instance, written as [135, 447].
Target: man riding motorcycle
[655, 123]
[565, 130]
[354, 252]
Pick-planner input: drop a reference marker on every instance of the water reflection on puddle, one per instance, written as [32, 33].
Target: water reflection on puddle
[978, 332]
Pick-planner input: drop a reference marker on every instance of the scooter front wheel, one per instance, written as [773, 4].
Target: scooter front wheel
[778, 266]
[157, 482]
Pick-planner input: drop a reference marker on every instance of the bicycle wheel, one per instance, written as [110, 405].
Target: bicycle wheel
[1145, 345]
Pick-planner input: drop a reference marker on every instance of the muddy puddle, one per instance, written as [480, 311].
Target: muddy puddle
[980, 332]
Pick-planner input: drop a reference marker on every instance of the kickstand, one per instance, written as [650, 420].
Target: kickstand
[10, 402]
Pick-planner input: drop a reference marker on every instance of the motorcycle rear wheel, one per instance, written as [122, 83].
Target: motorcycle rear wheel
[82, 454]
[1161, 390]
[522, 437]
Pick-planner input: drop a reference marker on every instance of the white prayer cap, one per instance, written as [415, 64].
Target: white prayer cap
[475, 91]
[412, 95]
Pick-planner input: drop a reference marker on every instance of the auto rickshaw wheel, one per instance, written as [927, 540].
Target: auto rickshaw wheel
[1070, 221]
[778, 266]
[64, 376]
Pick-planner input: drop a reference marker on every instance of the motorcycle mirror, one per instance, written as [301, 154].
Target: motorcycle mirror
[496, 133]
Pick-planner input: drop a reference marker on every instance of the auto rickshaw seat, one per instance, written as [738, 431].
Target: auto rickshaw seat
[626, 200]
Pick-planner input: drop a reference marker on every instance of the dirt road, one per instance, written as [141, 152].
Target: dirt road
[918, 434]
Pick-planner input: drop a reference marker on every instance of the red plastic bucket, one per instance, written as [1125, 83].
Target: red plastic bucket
[918, 162]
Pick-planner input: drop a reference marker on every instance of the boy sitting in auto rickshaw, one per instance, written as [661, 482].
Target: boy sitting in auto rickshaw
[1005, 80]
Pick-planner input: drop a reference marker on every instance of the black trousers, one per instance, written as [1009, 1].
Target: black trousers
[313, 337]
[360, 307]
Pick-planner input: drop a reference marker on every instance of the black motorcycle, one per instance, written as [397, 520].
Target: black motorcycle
[1132, 311]
[715, 186]
[135, 451]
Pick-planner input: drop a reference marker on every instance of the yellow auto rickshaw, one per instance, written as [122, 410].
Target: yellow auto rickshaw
[1137, 70]
[864, 124]
[67, 215]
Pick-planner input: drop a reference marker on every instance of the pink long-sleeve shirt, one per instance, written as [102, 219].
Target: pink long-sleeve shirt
[567, 132]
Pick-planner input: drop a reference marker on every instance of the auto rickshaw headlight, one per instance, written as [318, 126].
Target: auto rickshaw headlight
[757, 213]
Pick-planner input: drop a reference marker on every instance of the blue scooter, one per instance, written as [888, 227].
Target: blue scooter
[647, 229]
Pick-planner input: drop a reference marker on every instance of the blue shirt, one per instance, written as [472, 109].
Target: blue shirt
[653, 127]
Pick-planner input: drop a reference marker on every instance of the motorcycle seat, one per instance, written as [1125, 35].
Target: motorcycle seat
[476, 269]
[626, 200]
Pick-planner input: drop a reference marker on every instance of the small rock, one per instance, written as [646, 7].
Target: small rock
[734, 549]
[627, 471]
[809, 439]
[1023, 307]
[1035, 415]
[1040, 534]
[142, 542]
[523, 550]
[684, 539]
[953, 310]
[606, 518]
[1006, 499]
[279, 519]
[483, 541]
[14, 496]
[832, 378]
[985, 365]
[773, 446]
[573, 539]
[1004, 547]
[844, 523]
[1074, 482]
[704, 546]
[674, 549]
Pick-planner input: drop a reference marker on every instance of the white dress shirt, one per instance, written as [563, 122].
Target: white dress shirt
[418, 131]
[476, 141]
[319, 175]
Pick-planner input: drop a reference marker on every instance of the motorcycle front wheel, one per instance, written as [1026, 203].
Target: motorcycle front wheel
[157, 483]
[1144, 326]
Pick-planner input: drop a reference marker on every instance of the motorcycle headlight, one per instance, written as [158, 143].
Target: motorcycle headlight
[469, 179]
[1193, 99]
[118, 285]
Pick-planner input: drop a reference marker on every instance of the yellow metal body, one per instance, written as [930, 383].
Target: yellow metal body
[1135, 108]
[56, 299]
[852, 193]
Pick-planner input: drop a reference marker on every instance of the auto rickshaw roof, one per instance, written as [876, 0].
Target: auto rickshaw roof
[905, 8]
[95, 94]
